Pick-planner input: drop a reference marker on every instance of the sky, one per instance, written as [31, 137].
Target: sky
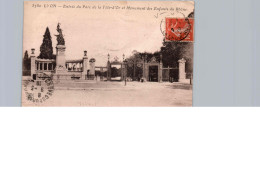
[100, 31]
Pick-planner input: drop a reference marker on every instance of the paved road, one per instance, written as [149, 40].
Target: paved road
[117, 94]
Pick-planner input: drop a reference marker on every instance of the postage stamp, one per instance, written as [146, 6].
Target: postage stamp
[38, 91]
[179, 29]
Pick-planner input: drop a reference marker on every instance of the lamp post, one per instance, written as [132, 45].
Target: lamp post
[108, 68]
[125, 63]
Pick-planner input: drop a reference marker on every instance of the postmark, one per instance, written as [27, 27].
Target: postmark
[179, 29]
[39, 90]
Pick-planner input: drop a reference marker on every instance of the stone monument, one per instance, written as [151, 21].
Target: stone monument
[60, 70]
[60, 52]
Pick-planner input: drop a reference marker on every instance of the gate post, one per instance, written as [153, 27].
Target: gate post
[85, 66]
[160, 70]
[33, 59]
[146, 69]
[108, 71]
[101, 74]
[147, 72]
[124, 70]
[160, 73]
[182, 74]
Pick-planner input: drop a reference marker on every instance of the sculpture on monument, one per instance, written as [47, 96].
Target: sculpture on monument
[60, 37]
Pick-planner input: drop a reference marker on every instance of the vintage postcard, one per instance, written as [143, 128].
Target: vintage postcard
[111, 53]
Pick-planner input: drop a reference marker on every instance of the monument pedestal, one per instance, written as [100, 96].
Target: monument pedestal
[60, 55]
[61, 72]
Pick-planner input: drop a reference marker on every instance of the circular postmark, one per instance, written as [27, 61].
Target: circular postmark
[39, 90]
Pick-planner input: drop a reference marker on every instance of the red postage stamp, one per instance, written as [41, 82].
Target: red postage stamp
[179, 29]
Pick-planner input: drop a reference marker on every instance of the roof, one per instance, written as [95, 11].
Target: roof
[70, 61]
[45, 60]
[115, 63]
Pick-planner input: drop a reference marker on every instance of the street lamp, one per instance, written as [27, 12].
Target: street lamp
[108, 56]
[125, 63]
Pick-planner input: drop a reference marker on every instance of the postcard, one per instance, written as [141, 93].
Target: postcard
[108, 54]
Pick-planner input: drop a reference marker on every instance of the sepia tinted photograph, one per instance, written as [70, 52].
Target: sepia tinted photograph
[108, 54]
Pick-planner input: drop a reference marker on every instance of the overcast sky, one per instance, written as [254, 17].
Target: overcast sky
[100, 31]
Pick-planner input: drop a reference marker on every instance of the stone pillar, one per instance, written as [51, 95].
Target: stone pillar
[85, 65]
[108, 71]
[122, 72]
[60, 58]
[33, 59]
[145, 69]
[92, 67]
[182, 74]
[101, 73]
[160, 70]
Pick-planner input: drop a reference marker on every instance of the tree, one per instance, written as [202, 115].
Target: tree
[26, 64]
[115, 72]
[133, 70]
[174, 51]
[46, 47]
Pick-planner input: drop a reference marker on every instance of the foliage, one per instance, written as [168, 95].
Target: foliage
[46, 49]
[115, 72]
[26, 64]
[171, 53]
[174, 51]
[133, 61]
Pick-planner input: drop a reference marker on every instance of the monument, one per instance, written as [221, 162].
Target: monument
[60, 52]
[56, 66]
